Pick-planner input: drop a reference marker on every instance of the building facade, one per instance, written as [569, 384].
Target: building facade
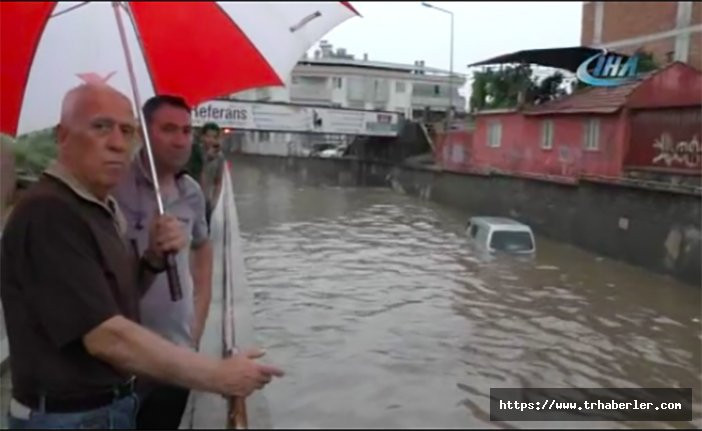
[649, 128]
[671, 31]
[337, 79]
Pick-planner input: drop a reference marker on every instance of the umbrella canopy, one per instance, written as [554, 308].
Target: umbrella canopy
[563, 58]
[198, 50]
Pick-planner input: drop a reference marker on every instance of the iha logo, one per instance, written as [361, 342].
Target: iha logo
[608, 70]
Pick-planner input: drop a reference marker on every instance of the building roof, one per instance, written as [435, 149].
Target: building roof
[675, 84]
[496, 111]
[594, 100]
[599, 100]
[367, 64]
[568, 58]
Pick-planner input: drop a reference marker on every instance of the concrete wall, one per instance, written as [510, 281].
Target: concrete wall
[318, 171]
[656, 230]
[653, 229]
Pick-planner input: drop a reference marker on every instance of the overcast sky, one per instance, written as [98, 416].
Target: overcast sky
[403, 32]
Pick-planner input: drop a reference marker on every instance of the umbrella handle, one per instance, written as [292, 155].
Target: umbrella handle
[171, 267]
[237, 413]
[173, 279]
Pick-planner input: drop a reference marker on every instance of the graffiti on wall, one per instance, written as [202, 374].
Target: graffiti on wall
[667, 140]
[687, 154]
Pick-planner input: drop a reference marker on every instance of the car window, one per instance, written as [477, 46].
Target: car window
[473, 231]
[482, 235]
[511, 241]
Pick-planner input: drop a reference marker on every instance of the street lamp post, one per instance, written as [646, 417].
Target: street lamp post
[449, 114]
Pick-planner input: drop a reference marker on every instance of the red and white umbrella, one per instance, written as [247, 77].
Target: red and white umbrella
[199, 50]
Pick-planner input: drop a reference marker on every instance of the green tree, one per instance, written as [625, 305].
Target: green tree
[646, 62]
[507, 86]
[33, 151]
[548, 89]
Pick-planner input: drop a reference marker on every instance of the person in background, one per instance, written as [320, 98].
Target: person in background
[196, 161]
[168, 120]
[70, 286]
[213, 169]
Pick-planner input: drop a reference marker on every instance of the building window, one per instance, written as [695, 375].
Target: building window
[399, 87]
[264, 136]
[337, 82]
[436, 90]
[547, 135]
[592, 134]
[494, 134]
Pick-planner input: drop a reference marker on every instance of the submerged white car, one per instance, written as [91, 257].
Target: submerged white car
[499, 234]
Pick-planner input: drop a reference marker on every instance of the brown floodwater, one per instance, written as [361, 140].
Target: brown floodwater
[383, 315]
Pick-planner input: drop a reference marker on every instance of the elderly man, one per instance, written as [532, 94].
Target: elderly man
[182, 322]
[69, 286]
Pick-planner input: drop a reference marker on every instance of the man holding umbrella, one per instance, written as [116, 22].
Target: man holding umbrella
[68, 286]
[181, 322]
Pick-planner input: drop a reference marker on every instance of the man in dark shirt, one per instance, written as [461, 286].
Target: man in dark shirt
[69, 286]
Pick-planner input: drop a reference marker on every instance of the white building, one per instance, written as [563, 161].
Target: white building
[337, 79]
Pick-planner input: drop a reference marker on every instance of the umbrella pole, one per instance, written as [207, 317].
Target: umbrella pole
[171, 268]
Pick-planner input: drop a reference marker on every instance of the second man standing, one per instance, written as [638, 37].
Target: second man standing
[182, 322]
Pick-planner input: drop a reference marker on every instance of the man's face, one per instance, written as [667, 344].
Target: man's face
[170, 133]
[96, 139]
[211, 141]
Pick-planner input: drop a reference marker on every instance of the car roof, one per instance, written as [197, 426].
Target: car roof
[500, 223]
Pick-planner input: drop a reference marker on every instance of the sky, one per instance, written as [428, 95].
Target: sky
[403, 32]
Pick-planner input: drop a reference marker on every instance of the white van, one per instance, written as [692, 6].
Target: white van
[499, 234]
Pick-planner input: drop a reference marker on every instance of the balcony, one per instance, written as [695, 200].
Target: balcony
[310, 93]
[438, 102]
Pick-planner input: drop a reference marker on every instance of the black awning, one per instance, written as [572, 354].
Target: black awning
[562, 58]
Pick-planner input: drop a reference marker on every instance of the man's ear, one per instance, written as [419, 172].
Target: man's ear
[61, 134]
[137, 142]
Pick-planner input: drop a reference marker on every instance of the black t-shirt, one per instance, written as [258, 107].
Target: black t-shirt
[65, 269]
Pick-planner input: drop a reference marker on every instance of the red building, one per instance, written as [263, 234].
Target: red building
[652, 124]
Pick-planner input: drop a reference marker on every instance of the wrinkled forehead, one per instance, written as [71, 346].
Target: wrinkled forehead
[103, 104]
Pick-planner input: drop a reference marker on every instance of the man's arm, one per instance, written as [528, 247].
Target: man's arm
[66, 290]
[201, 267]
[130, 347]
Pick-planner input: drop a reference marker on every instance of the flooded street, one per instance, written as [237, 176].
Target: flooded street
[382, 316]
